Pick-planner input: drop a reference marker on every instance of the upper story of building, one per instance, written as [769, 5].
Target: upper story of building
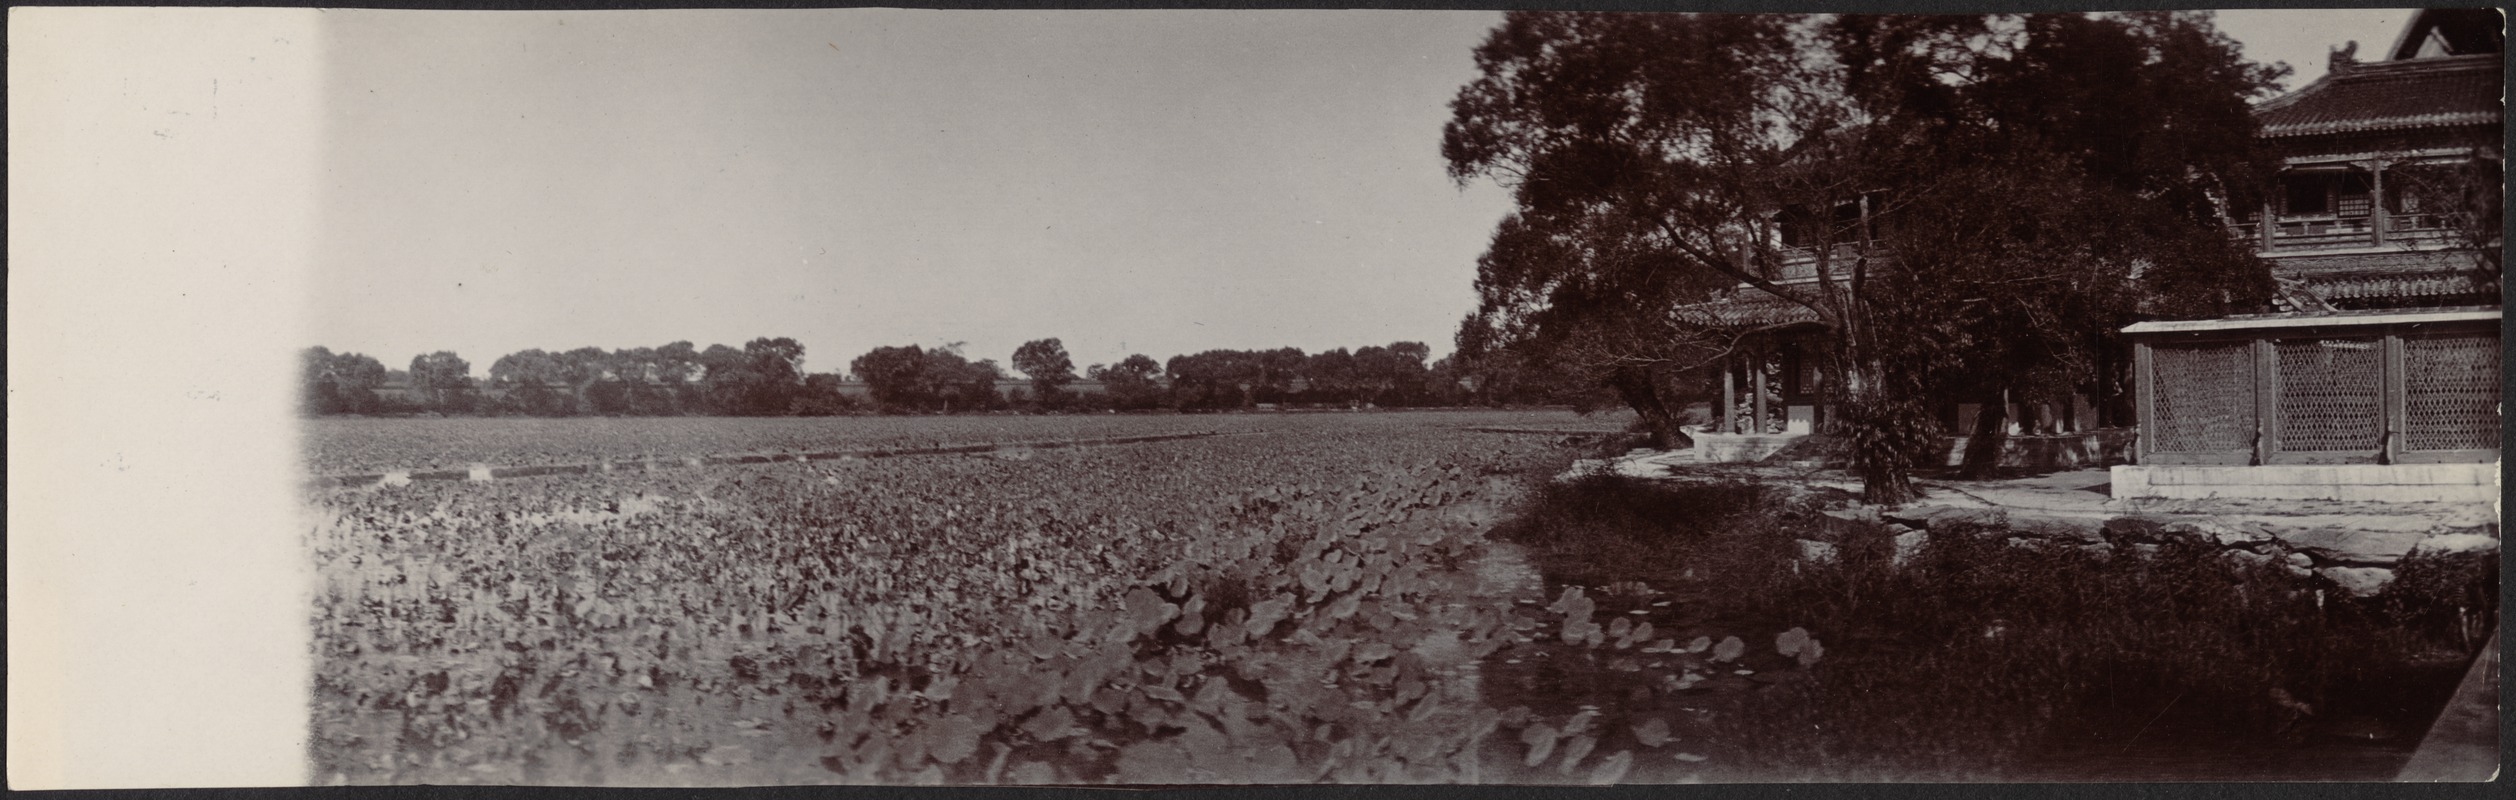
[2380, 154]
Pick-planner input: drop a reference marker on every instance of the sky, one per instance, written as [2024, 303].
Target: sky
[1128, 182]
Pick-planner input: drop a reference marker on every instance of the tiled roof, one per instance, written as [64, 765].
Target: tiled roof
[2400, 288]
[2307, 263]
[1746, 309]
[2391, 95]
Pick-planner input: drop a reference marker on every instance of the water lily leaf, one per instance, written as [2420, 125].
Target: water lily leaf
[1032, 773]
[1575, 750]
[1580, 722]
[1640, 633]
[1612, 769]
[1147, 609]
[1264, 616]
[1700, 644]
[1810, 652]
[1689, 757]
[1424, 708]
[1051, 725]
[1345, 606]
[1652, 732]
[954, 738]
[1514, 716]
[1620, 627]
[1790, 641]
[1207, 748]
[1161, 761]
[1728, 650]
[1374, 652]
[1564, 601]
[725, 754]
[1541, 741]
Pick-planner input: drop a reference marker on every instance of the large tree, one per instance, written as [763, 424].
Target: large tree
[336, 383]
[533, 381]
[1045, 362]
[776, 371]
[1657, 157]
[443, 381]
[895, 376]
[1132, 383]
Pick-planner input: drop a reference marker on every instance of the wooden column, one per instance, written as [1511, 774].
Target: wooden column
[2144, 402]
[2266, 400]
[2263, 230]
[1756, 382]
[2376, 188]
[2396, 401]
[1728, 422]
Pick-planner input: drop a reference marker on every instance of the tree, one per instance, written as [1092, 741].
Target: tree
[533, 382]
[1332, 374]
[960, 384]
[1045, 362]
[822, 397]
[1277, 370]
[2465, 196]
[2081, 175]
[775, 371]
[1655, 158]
[895, 376]
[727, 379]
[443, 381]
[336, 383]
[1133, 383]
[1215, 379]
[1639, 149]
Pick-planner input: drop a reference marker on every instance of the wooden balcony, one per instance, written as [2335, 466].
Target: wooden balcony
[2307, 234]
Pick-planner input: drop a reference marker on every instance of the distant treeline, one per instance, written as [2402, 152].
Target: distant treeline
[766, 377]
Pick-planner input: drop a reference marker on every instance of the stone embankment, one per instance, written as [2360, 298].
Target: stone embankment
[2353, 545]
[2356, 559]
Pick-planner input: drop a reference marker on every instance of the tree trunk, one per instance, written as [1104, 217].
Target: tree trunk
[1990, 436]
[1886, 432]
[1636, 386]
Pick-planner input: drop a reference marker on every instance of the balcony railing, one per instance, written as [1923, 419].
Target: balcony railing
[2309, 233]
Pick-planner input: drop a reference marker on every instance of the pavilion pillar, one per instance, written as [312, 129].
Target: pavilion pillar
[1756, 383]
[2263, 232]
[1728, 421]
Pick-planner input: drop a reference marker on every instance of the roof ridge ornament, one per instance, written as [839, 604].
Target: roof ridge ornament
[2344, 58]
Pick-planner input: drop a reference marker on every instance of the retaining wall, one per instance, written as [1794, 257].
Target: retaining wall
[2400, 483]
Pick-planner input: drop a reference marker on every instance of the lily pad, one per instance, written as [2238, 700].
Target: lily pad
[1790, 641]
[1729, 649]
[1653, 732]
[1575, 750]
[1611, 770]
[1541, 741]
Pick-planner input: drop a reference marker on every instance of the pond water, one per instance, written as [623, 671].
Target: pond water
[2366, 737]
[2367, 734]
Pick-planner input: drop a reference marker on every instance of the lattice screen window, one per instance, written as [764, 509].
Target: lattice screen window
[2451, 393]
[2331, 395]
[2204, 396]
